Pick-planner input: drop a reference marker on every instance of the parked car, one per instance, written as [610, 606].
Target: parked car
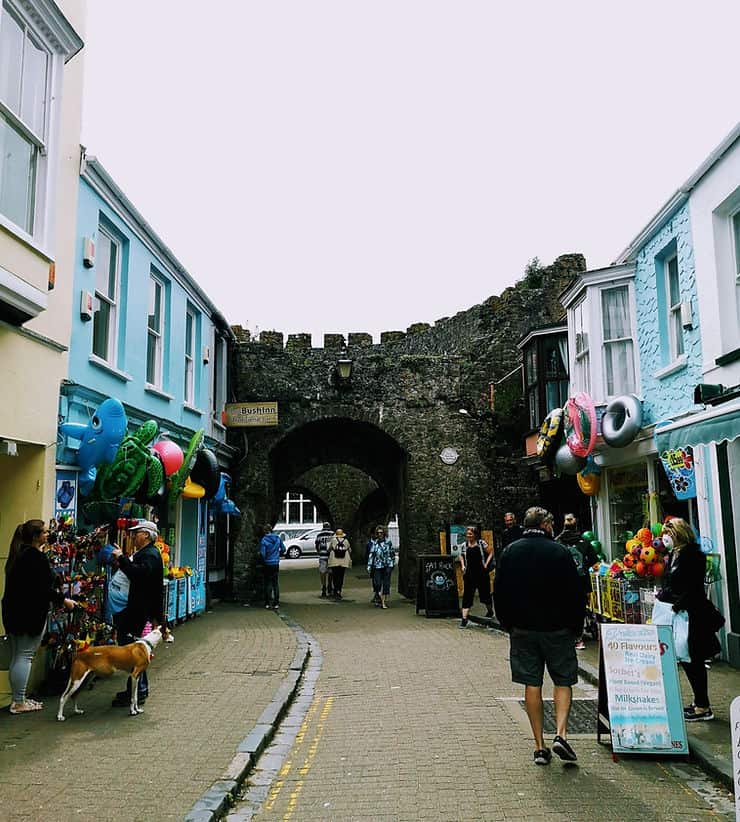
[303, 545]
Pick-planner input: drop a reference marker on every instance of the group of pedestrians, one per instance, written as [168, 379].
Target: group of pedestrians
[31, 587]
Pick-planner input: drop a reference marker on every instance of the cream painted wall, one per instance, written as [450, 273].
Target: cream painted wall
[32, 369]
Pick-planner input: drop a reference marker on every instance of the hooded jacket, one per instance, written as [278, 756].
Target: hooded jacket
[271, 547]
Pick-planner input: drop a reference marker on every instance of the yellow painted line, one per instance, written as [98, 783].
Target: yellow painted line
[308, 762]
[288, 764]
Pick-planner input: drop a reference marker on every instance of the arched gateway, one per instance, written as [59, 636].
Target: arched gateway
[373, 430]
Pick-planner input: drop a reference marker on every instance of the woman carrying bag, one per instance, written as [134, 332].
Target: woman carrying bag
[683, 588]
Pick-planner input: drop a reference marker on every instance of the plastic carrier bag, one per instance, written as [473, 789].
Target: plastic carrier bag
[681, 636]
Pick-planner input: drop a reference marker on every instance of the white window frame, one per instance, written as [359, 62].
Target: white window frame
[617, 340]
[220, 354]
[154, 335]
[111, 355]
[49, 30]
[735, 238]
[673, 310]
[582, 355]
[190, 340]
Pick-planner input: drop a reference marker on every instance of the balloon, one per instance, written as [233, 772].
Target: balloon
[641, 569]
[170, 454]
[647, 555]
[588, 536]
[657, 568]
[191, 490]
[656, 529]
[567, 462]
[596, 545]
[634, 546]
[645, 535]
[590, 484]
[629, 534]
[658, 545]
[629, 561]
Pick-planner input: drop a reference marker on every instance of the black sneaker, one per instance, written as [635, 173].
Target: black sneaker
[489, 614]
[563, 750]
[703, 716]
[463, 623]
[323, 595]
[542, 757]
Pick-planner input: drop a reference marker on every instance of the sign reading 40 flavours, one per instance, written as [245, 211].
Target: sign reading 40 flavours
[250, 414]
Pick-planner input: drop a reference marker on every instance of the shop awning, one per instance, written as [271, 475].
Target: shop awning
[720, 423]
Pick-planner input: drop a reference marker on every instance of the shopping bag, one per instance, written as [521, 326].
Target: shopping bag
[681, 636]
[663, 613]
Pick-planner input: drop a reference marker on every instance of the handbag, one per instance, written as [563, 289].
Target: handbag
[712, 616]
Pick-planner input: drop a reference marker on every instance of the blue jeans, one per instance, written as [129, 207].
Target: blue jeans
[22, 650]
[382, 580]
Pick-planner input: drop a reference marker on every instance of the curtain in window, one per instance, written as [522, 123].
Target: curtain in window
[563, 349]
[618, 353]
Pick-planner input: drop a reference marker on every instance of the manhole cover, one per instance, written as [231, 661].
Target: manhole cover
[582, 719]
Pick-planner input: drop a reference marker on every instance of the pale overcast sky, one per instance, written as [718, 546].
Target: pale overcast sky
[360, 165]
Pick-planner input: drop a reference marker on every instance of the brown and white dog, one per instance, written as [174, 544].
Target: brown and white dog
[103, 660]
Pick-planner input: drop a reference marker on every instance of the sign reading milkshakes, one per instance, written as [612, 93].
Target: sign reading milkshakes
[250, 414]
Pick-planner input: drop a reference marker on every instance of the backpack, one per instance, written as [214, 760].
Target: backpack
[340, 550]
[578, 559]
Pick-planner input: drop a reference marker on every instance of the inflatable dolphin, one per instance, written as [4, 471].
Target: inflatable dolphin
[99, 440]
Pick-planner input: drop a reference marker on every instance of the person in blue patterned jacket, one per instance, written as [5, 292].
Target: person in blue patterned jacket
[380, 561]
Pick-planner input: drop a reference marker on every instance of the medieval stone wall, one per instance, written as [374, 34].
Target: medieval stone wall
[394, 418]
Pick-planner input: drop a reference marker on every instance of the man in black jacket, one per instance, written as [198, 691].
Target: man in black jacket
[539, 601]
[145, 572]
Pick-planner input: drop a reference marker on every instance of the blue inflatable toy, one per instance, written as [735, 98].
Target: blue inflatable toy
[99, 440]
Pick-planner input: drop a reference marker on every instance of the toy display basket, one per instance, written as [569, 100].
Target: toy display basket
[647, 600]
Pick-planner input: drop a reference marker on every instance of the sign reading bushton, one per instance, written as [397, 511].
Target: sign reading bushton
[250, 414]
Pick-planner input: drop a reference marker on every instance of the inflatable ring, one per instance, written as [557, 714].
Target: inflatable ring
[580, 424]
[549, 431]
[622, 421]
[205, 472]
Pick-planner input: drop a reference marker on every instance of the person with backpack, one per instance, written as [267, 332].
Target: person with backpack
[583, 555]
[340, 558]
[322, 549]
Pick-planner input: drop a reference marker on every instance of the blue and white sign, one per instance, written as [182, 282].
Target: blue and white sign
[645, 710]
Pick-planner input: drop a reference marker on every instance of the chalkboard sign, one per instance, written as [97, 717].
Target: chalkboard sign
[436, 590]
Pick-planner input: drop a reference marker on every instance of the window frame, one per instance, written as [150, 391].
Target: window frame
[51, 33]
[189, 388]
[582, 358]
[157, 336]
[112, 353]
[676, 347]
[617, 340]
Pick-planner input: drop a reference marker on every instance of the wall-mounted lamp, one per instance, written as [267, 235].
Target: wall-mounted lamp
[344, 370]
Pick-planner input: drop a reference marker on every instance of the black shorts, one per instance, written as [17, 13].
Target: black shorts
[532, 650]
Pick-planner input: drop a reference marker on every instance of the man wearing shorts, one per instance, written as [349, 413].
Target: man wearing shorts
[539, 602]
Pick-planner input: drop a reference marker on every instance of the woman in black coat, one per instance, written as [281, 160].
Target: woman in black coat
[29, 589]
[683, 587]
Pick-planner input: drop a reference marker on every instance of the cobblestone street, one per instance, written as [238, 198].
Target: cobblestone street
[410, 718]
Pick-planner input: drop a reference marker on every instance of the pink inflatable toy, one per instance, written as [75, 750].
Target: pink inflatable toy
[580, 424]
[171, 455]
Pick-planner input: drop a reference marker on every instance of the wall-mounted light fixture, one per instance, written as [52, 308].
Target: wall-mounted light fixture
[343, 370]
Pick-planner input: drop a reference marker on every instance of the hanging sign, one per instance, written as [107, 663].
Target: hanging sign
[639, 694]
[250, 414]
[678, 464]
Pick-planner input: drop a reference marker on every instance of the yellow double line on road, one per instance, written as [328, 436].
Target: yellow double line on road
[295, 756]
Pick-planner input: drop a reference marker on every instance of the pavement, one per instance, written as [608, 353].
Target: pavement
[710, 743]
[404, 718]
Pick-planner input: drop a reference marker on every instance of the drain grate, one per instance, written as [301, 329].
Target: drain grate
[582, 719]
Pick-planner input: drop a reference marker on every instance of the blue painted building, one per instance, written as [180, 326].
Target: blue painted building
[144, 332]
